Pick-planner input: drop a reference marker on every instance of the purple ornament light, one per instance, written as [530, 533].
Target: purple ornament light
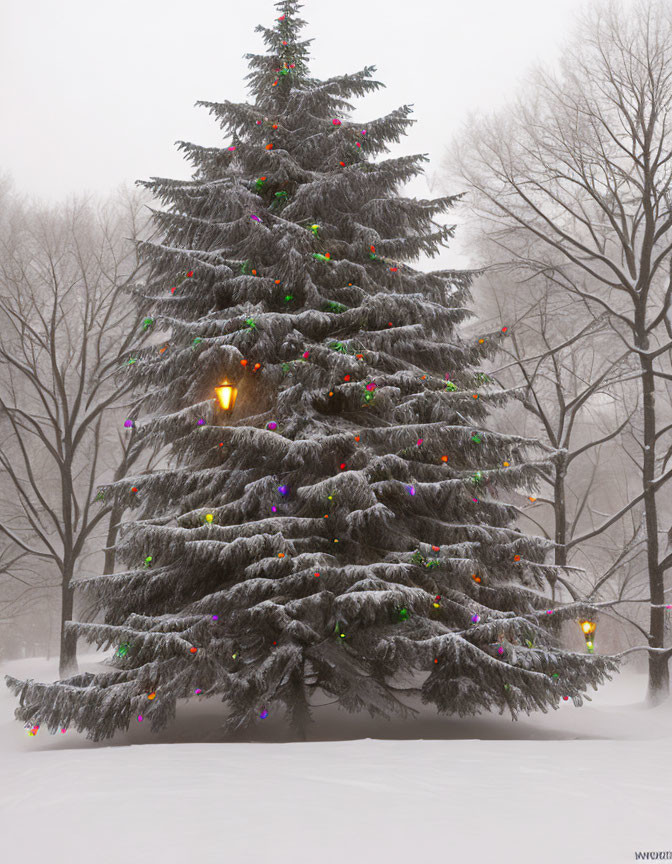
[475, 618]
[128, 424]
[264, 714]
[283, 490]
[500, 650]
[197, 691]
[274, 509]
[410, 490]
[201, 422]
[272, 425]
[215, 617]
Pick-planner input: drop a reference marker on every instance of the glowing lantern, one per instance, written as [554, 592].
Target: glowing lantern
[588, 628]
[226, 393]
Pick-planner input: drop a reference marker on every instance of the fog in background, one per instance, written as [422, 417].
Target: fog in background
[94, 95]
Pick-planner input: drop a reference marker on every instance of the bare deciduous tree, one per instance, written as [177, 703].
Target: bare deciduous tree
[573, 183]
[67, 323]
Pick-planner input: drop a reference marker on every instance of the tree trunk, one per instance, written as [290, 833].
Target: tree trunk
[68, 657]
[659, 679]
[560, 514]
[112, 531]
[300, 710]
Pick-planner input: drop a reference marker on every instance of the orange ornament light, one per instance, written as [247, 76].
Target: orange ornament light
[226, 394]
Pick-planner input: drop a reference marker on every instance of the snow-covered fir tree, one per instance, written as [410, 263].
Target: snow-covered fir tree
[344, 528]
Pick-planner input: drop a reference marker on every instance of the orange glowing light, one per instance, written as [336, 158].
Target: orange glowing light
[226, 394]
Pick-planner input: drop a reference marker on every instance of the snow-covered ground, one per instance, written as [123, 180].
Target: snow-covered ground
[588, 785]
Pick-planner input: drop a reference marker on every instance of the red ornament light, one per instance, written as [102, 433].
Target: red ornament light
[316, 574]
[436, 548]
[357, 438]
[190, 273]
[504, 329]
[342, 466]
[476, 578]
[243, 362]
[342, 164]
[193, 650]
[516, 557]
[346, 377]
[269, 146]
[134, 489]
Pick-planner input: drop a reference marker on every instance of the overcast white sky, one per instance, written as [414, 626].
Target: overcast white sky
[94, 94]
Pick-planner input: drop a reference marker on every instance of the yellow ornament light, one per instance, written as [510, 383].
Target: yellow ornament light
[226, 394]
[588, 627]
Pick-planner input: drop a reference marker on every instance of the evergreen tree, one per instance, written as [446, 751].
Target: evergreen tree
[341, 529]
